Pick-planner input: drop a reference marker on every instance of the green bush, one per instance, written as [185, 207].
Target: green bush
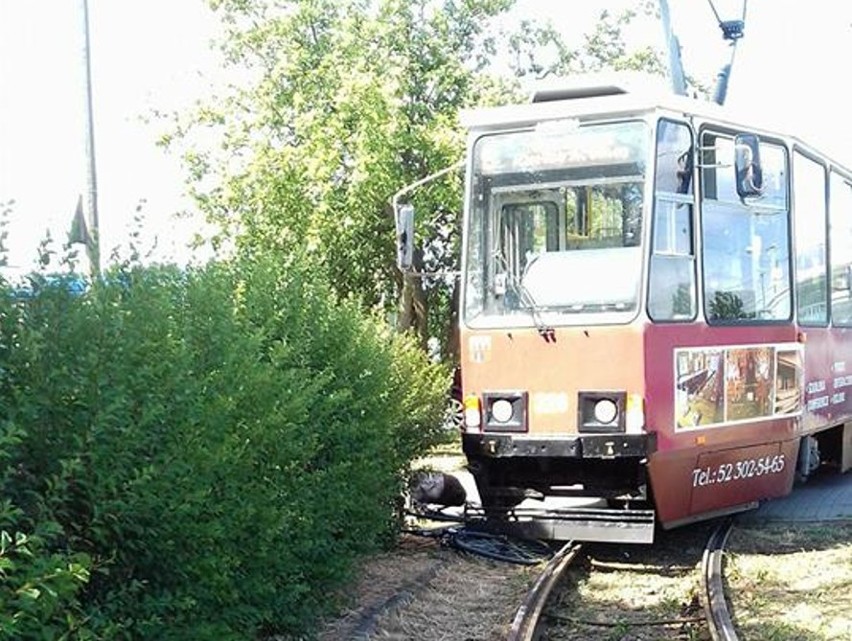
[198, 454]
[40, 580]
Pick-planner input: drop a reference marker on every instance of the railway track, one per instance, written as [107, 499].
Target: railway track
[525, 625]
[715, 605]
[531, 618]
[565, 601]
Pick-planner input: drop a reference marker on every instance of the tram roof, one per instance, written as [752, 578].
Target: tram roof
[597, 94]
[622, 94]
[613, 95]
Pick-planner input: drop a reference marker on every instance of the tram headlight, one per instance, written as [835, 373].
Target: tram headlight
[505, 411]
[501, 410]
[606, 411]
[602, 411]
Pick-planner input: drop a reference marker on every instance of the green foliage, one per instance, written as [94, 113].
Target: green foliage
[39, 579]
[605, 46]
[349, 101]
[198, 454]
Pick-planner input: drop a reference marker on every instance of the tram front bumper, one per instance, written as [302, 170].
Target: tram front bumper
[580, 446]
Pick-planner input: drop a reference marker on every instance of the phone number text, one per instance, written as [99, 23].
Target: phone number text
[747, 469]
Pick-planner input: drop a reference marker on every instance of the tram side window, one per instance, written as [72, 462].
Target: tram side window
[840, 217]
[745, 242]
[671, 292]
[810, 216]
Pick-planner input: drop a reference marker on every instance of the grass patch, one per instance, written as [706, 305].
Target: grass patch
[628, 593]
[791, 583]
[445, 457]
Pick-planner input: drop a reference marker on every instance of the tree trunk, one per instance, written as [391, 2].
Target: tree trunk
[414, 309]
[452, 351]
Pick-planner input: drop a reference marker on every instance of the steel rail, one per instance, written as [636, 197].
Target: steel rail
[525, 624]
[715, 607]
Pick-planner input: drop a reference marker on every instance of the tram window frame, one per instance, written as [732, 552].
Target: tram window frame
[673, 251]
[840, 257]
[722, 213]
[522, 224]
[807, 238]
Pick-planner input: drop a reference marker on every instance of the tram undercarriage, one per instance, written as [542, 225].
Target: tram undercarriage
[608, 471]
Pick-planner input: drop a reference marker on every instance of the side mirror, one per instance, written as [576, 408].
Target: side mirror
[749, 172]
[404, 236]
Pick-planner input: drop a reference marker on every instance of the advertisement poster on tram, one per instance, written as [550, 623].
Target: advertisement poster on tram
[738, 384]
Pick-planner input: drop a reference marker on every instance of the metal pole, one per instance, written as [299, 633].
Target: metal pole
[91, 200]
[673, 48]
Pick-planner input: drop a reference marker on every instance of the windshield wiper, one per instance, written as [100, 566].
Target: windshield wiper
[526, 301]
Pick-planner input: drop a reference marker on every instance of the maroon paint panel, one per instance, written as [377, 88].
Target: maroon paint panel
[705, 468]
[733, 477]
[690, 482]
[670, 475]
[828, 377]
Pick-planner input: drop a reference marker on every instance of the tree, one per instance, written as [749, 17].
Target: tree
[349, 100]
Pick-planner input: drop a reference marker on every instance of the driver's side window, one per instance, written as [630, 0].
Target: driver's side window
[672, 290]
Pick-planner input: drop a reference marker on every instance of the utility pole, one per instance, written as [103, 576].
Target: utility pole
[673, 47]
[91, 197]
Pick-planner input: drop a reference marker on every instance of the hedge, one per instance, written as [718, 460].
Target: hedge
[197, 454]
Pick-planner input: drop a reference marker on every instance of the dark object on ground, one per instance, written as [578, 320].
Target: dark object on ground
[437, 488]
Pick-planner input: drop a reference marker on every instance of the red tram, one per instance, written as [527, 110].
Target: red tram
[656, 308]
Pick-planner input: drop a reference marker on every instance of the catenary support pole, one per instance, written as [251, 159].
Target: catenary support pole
[91, 196]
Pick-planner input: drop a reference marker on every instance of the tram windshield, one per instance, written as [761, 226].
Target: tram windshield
[555, 225]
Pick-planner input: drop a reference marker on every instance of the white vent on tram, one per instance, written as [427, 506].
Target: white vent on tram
[598, 86]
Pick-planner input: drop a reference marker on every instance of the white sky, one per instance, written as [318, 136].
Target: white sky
[146, 54]
[150, 54]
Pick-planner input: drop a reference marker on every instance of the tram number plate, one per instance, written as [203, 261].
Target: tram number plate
[738, 470]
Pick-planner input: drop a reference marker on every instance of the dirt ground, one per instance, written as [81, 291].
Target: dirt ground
[424, 591]
[784, 584]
